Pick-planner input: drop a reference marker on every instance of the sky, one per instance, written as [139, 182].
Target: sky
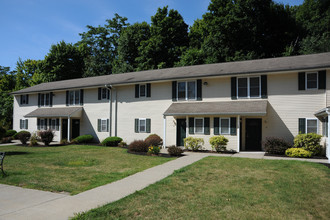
[30, 27]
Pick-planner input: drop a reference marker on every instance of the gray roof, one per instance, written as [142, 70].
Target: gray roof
[293, 63]
[55, 112]
[255, 108]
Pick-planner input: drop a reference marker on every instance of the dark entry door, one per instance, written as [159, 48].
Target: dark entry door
[64, 128]
[253, 134]
[180, 131]
[75, 128]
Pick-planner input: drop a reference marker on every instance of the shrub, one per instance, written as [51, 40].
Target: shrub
[6, 140]
[138, 146]
[297, 152]
[34, 140]
[154, 140]
[23, 136]
[10, 133]
[122, 144]
[64, 142]
[83, 139]
[111, 141]
[153, 150]
[46, 136]
[174, 151]
[193, 144]
[218, 143]
[2, 132]
[309, 142]
[275, 145]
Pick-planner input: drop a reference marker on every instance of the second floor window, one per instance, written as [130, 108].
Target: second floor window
[311, 80]
[248, 87]
[45, 99]
[187, 90]
[24, 99]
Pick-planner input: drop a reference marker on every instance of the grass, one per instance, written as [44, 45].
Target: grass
[230, 188]
[72, 168]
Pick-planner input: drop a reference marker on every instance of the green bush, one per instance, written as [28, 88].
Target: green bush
[34, 140]
[23, 136]
[6, 140]
[309, 142]
[275, 145]
[193, 144]
[111, 141]
[218, 143]
[2, 132]
[174, 151]
[83, 139]
[122, 144]
[64, 141]
[46, 136]
[10, 133]
[153, 150]
[138, 146]
[154, 140]
[297, 152]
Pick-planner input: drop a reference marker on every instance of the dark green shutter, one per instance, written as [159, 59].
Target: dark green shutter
[233, 88]
[206, 126]
[264, 94]
[67, 98]
[322, 79]
[148, 90]
[45, 120]
[81, 97]
[27, 99]
[136, 125]
[26, 124]
[191, 125]
[38, 123]
[57, 124]
[302, 125]
[174, 97]
[108, 125]
[148, 129]
[233, 126]
[199, 89]
[108, 94]
[137, 90]
[50, 123]
[99, 125]
[216, 126]
[301, 81]
[38, 99]
[99, 93]
[20, 124]
[50, 99]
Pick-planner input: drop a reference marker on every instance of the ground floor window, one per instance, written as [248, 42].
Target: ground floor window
[308, 125]
[325, 127]
[103, 125]
[142, 125]
[48, 123]
[199, 125]
[23, 123]
[224, 125]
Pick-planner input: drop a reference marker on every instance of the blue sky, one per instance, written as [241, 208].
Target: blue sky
[30, 27]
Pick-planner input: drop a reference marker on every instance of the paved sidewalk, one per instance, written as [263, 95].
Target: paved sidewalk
[35, 204]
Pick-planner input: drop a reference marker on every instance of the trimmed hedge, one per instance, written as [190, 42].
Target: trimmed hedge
[275, 145]
[193, 144]
[174, 151]
[83, 139]
[218, 143]
[23, 136]
[10, 133]
[298, 152]
[46, 136]
[111, 141]
[138, 146]
[154, 140]
[309, 142]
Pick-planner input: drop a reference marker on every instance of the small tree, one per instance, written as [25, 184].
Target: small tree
[46, 136]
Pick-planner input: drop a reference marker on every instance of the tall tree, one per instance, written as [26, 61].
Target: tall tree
[102, 43]
[26, 72]
[169, 38]
[7, 85]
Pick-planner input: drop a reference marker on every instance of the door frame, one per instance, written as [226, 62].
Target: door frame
[183, 134]
[254, 148]
[72, 126]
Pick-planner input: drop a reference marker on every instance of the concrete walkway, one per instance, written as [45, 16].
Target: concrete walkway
[19, 203]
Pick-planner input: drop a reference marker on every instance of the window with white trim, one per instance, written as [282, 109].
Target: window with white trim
[143, 92]
[311, 125]
[186, 90]
[74, 97]
[249, 87]
[44, 99]
[199, 125]
[224, 124]
[23, 123]
[325, 127]
[312, 80]
[104, 123]
[104, 93]
[142, 125]
[53, 124]
[43, 125]
[24, 99]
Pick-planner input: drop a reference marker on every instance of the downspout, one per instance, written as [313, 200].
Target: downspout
[328, 138]
[116, 112]
[109, 87]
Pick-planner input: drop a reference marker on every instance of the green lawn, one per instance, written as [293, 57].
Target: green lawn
[230, 188]
[71, 168]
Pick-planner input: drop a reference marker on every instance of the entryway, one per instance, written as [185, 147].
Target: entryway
[180, 131]
[75, 128]
[253, 127]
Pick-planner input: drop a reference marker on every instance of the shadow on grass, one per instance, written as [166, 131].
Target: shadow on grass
[11, 153]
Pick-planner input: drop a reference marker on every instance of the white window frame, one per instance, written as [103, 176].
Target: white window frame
[104, 120]
[145, 90]
[24, 99]
[102, 98]
[145, 125]
[186, 90]
[51, 125]
[74, 97]
[42, 124]
[220, 126]
[23, 121]
[317, 80]
[317, 124]
[44, 99]
[248, 88]
[198, 132]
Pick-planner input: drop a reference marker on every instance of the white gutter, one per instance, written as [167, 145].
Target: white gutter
[109, 87]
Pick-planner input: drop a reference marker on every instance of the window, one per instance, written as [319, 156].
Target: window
[103, 125]
[142, 125]
[311, 80]
[53, 124]
[142, 90]
[24, 99]
[186, 90]
[249, 87]
[104, 93]
[74, 97]
[45, 99]
[43, 124]
[311, 125]
[224, 125]
[199, 125]
[325, 127]
[23, 123]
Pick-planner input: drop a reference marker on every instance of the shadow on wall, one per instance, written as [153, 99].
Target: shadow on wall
[87, 127]
[276, 127]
